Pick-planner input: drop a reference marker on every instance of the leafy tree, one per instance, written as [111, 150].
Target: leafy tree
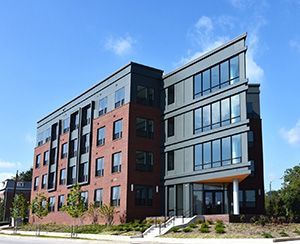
[75, 205]
[24, 175]
[275, 206]
[19, 208]
[291, 192]
[1, 209]
[40, 208]
[107, 212]
[93, 213]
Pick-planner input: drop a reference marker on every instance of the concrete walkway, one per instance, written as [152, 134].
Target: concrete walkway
[127, 239]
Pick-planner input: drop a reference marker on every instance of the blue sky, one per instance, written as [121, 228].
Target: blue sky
[51, 51]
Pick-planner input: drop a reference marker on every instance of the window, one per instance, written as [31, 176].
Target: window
[62, 177]
[46, 157]
[66, 125]
[143, 195]
[170, 160]
[207, 155]
[85, 143]
[100, 166]
[83, 172]
[225, 111]
[51, 204]
[117, 134]
[44, 181]
[116, 162]
[72, 175]
[36, 183]
[236, 149]
[103, 106]
[206, 118]
[217, 153]
[250, 196]
[215, 115]
[52, 155]
[54, 132]
[216, 77]
[51, 180]
[74, 121]
[235, 109]
[73, 148]
[144, 127]
[38, 161]
[145, 95]
[101, 136]
[250, 138]
[115, 196]
[47, 135]
[171, 127]
[86, 115]
[198, 120]
[61, 201]
[98, 198]
[198, 157]
[144, 160]
[119, 97]
[84, 197]
[171, 94]
[40, 139]
[64, 150]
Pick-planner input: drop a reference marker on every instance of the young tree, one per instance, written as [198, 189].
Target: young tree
[107, 212]
[19, 209]
[75, 205]
[291, 192]
[40, 208]
[93, 213]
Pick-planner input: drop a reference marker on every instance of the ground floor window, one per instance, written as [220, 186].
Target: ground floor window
[143, 195]
[247, 198]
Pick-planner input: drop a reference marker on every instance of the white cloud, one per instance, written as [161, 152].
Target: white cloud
[9, 165]
[209, 33]
[295, 44]
[5, 175]
[292, 135]
[120, 45]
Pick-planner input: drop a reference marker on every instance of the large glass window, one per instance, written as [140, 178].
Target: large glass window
[119, 97]
[215, 115]
[72, 175]
[61, 201]
[115, 196]
[225, 111]
[62, 178]
[46, 157]
[38, 161]
[250, 197]
[100, 166]
[98, 198]
[44, 181]
[117, 134]
[73, 148]
[236, 149]
[198, 157]
[116, 162]
[206, 118]
[198, 120]
[74, 121]
[36, 183]
[64, 150]
[145, 95]
[101, 136]
[171, 94]
[216, 77]
[66, 125]
[83, 172]
[144, 160]
[171, 126]
[85, 143]
[144, 127]
[84, 198]
[143, 195]
[51, 204]
[235, 109]
[103, 106]
[170, 160]
[218, 152]
[86, 115]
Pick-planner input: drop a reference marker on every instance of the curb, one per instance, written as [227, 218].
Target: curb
[282, 239]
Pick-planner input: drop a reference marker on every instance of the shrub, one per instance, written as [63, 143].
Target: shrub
[187, 229]
[296, 231]
[175, 229]
[219, 222]
[193, 225]
[210, 222]
[266, 235]
[283, 233]
[242, 218]
[220, 229]
[262, 220]
[253, 219]
[204, 228]
[199, 221]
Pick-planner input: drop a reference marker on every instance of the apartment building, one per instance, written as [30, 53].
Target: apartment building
[184, 143]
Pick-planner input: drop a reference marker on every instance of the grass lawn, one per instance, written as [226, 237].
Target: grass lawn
[128, 229]
[235, 230]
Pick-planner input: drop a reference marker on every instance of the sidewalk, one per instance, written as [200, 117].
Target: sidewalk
[128, 239]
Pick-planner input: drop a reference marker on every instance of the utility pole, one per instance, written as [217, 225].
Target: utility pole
[15, 185]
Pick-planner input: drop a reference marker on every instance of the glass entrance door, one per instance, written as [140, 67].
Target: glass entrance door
[213, 202]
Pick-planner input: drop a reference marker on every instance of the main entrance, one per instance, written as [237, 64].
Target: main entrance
[213, 202]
